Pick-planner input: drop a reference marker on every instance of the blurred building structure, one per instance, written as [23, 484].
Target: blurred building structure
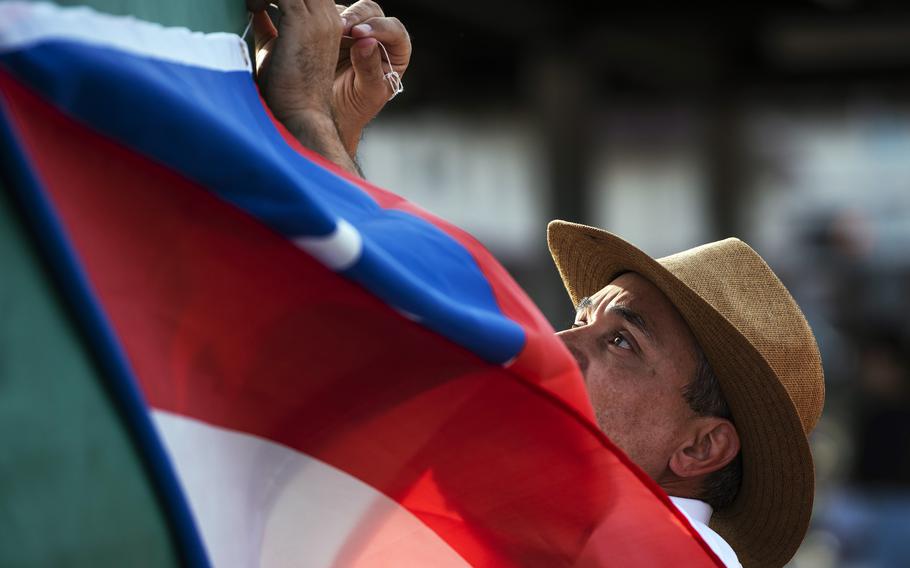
[784, 123]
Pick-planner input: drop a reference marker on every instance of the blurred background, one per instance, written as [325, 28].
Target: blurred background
[786, 124]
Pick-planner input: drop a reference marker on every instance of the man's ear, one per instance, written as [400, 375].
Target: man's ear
[713, 444]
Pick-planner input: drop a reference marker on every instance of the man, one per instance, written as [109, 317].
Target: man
[700, 366]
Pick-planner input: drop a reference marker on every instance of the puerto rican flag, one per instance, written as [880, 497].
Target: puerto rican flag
[319, 372]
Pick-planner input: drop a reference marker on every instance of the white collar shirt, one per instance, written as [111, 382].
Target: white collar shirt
[699, 515]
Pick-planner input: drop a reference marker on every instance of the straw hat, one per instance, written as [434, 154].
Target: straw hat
[764, 356]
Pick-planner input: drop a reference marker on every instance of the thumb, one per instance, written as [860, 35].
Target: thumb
[369, 78]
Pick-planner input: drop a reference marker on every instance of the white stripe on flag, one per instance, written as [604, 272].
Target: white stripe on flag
[26, 23]
[258, 503]
[339, 250]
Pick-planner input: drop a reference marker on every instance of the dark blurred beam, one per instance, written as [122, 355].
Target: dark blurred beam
[559, 88]
[726, 162]
[560, 98]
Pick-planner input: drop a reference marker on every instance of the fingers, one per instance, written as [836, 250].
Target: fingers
[393, 35]
[291, 6]
[308, 14]
[323, 9]
[300, 8]
[367, 63]
[360, 12]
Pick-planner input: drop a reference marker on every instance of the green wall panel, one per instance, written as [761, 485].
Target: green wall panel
[199, 15]
[73, 491]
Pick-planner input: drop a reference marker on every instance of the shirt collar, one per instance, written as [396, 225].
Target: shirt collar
[694, 509]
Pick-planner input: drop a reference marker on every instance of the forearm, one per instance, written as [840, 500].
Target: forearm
[318, 132]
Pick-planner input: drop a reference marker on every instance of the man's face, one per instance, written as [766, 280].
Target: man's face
[636, 354]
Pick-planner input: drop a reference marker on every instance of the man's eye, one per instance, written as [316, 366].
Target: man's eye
[621, 342]
[579, 323]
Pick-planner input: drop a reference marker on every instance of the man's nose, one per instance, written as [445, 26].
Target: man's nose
[569, 338]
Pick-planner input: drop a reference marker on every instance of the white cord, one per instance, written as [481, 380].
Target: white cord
[392, 76]
[246, 30]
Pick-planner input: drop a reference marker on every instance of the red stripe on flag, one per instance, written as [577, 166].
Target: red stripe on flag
[225, 321]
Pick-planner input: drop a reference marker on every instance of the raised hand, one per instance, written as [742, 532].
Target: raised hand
[361, 90]
[296, 65]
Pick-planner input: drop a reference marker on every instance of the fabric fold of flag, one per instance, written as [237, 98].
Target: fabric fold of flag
[338, 377]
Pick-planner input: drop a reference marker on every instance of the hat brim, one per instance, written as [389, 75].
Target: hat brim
[770, 515]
